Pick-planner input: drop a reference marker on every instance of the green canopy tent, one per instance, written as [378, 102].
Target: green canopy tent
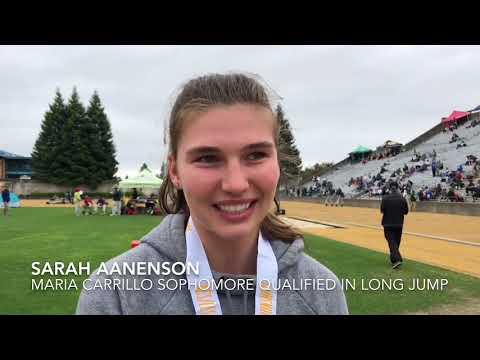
[144, 180]
[359, 153]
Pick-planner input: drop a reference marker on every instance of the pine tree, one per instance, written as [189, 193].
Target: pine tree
[143, 167]
[46, 148]
[71, 167]
[75, 146]
[101, 142]
[290, 161]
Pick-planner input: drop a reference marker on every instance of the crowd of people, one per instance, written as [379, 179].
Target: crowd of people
[135, 204]
[334, 197]
[388, 153]
[456, 185]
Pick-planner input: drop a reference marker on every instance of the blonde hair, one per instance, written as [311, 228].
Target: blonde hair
[199, 95]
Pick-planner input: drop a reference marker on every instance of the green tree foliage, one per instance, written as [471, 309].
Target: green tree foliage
[102, 146]
[46, 148]
[290, 160]
[75, 146]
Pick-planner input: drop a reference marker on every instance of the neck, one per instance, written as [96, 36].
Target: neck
[229, 256]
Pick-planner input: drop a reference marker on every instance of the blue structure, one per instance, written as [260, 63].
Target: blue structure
[13, 166]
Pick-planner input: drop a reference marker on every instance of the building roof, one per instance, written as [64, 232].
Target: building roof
[360, 150]
[7, 155]
[390, 143]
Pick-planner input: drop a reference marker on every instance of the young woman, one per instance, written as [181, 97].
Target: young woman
[223, 171]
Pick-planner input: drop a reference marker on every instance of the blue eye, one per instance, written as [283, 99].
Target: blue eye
[207, 159]
[256, 155]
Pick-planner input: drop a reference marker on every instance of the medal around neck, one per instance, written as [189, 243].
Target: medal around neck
[204, 295]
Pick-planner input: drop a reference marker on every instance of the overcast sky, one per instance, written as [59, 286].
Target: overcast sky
[336, 97]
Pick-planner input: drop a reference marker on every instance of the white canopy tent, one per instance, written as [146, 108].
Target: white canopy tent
[144, 180]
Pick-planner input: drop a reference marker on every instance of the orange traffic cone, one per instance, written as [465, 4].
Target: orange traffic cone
[134, 243]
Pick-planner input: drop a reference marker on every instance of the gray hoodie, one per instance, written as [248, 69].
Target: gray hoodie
[166, 243]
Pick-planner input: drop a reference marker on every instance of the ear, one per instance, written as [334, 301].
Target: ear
[173, 171]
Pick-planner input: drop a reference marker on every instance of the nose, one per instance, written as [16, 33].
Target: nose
[235, 179]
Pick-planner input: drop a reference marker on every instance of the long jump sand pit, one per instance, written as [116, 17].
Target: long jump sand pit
[448, 241]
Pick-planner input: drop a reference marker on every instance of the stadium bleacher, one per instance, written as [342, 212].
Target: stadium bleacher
[447, 152]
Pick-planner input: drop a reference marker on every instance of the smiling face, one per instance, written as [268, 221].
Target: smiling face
[226, 164]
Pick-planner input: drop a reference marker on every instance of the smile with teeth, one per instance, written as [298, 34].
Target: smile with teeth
[234, 209]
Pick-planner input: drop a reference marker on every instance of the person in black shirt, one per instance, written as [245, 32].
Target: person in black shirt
[393, 207]
[134, 194]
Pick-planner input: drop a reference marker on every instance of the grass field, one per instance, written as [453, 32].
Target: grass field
[55, 234]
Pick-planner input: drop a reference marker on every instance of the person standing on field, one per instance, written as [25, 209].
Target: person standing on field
[394, 207]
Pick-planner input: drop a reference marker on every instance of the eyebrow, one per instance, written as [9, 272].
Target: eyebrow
[212, 149]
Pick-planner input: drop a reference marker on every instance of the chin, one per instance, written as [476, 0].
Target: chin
[237, 231]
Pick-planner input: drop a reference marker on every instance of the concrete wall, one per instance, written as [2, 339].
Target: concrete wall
[27, 187]
[467, 209]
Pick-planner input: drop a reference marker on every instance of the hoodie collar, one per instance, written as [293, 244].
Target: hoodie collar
[168, 239]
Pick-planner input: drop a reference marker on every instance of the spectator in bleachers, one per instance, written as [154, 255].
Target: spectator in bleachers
[454, 138]
[471, 160]
[474, 123]
[453, 196]
[422, 167]
[458, 181]
[476, 192]
[461, 144]
[439, 164]
[421, 196]
[470, 187]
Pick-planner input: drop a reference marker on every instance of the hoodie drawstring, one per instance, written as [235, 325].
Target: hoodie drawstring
[245, 298]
